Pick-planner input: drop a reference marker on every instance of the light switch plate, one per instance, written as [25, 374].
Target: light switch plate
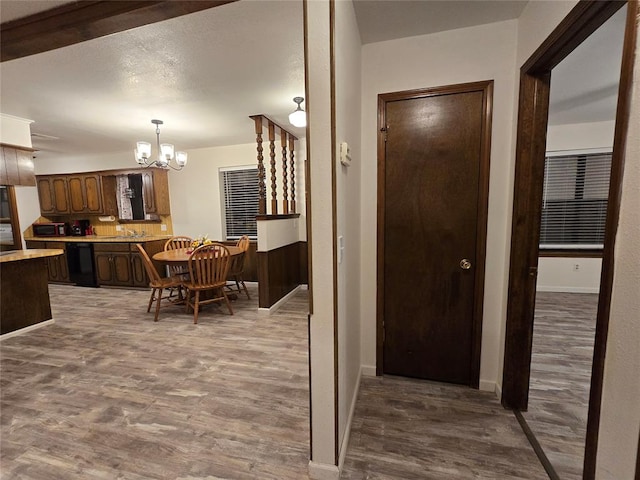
[345, 154]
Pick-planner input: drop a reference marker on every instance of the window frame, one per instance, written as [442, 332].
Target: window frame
[572, 250]
[223, 200]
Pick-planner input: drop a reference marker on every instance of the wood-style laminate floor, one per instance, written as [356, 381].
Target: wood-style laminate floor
[562, 355]
[106, 393]
[406, 429]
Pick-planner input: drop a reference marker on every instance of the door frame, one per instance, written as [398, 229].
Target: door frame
[486, 87]
[535, 75]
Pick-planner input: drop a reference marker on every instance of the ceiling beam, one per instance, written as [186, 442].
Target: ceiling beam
[88, 19]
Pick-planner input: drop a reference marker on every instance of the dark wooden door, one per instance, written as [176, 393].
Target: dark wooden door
[435, 180]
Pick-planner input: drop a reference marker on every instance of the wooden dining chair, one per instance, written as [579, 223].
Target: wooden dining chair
[236, 284]
[208, 270]
[159, 285]
[179, 241]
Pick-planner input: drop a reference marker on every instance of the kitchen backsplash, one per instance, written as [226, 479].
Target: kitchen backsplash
[109, 228]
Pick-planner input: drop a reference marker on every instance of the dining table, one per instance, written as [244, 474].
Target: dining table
[180, 256]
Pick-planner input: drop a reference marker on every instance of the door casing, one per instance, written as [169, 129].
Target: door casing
[535, 74]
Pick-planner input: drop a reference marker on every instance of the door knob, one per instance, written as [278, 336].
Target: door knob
[465, 264]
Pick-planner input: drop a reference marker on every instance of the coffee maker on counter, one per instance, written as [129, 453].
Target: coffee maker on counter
[81, 228]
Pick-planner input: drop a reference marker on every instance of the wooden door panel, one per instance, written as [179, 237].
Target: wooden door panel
[432, 178]
[60, 195]
[121, 268]
[76, 194]
[103, 268]
[93, 194]
[45, 195]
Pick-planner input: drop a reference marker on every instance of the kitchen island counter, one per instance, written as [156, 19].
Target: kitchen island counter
[24, 290]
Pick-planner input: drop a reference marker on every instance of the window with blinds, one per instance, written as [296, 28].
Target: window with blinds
[574, 202]
[240, 191]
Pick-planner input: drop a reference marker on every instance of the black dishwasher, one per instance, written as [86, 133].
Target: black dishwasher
[82, 269]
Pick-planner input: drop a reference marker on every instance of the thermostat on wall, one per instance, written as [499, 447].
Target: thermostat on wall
[345, 154]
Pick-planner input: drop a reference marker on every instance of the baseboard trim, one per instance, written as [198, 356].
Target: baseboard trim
[487, 386]
[561, 289]
[281, 302]
[368, 370]
[27, 329]
[347, 431]
[323, 471]
[499, 391]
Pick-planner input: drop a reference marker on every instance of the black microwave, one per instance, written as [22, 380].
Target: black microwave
[53, 229]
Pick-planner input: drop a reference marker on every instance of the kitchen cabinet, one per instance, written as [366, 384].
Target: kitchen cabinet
[57, 267]
[82, 193]
[155, 185]
[113, 264]
[16, 166]
[53, 194]
[139, 276]
[120, 264]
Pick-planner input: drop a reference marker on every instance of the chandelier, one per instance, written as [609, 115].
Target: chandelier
[298, 118]
[165, 153]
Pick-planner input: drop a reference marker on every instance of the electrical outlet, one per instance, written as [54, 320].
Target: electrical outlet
[163, 227]
[118, 228]
[576, 267]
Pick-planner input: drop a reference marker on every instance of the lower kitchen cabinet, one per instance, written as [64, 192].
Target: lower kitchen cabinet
[113, 264]
[139, 276]
[57, 267]
[120, 264]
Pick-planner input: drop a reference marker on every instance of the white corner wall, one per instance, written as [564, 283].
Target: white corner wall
[484, 52]
[323, 462]
[620, 415]
[17, 131]
[347, 69]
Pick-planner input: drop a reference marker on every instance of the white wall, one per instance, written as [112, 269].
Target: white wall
[321, 328]
[196, 201]
[467, 55]
[17, 131]
[566, 274]
[620, 416]
[348, 62]
[580, 136]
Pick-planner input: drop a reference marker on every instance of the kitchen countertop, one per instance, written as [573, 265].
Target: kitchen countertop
[18, 255]
[101, 239]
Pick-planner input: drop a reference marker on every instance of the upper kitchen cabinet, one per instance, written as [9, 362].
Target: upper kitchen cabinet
[53, 193]
[16, 166]
[155, 185]
[92, 194]
[85, 193]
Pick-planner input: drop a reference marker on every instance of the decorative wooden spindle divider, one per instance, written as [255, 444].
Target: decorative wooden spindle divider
[287, 144]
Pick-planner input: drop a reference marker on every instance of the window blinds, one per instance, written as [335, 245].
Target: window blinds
[240, 202]
[574, 207]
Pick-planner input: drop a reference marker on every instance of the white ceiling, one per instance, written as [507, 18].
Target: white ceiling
[204, 73]
[385, 20]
